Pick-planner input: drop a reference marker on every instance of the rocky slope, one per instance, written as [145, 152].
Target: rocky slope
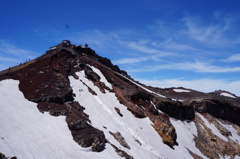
[112, 114]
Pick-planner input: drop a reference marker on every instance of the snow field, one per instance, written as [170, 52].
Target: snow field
[181, 90]
[186, 132]
[227, 95]
[26, 133]
[102, 114]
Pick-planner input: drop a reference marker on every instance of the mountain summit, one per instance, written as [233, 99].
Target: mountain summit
[73, 103]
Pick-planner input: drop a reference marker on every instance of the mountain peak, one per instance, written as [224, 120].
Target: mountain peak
[104, 110]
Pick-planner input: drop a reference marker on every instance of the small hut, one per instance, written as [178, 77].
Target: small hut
[64, 44]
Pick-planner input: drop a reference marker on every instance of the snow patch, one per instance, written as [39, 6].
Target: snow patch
[186, 132]
[227, 95]
[181, 90]
[102, 77]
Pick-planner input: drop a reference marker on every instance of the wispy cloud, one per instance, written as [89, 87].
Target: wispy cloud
[192, 45]
[11, 55]
[156, 57]
[213, 31]
[170, 44]
[130, 60]
[196, 66]
[233, 58]
[204, 85]
[148, 48]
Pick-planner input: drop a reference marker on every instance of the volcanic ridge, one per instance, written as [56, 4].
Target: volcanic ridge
[73, 103]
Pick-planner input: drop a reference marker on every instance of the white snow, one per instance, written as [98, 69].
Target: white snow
[102, 77]
[52, 48]
[212, 127]
[181, 90]
[227, 95]
[143, 87]
[26, 133]
[235, 136]
[225, 157]
[186, 132]
[102, 114]
[100, 109]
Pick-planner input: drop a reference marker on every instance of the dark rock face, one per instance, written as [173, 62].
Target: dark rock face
[78, 125]
[53, 108]
[90, 137]
[177, 110]
[2, 156]
[218, 108]
[153, 110]
[90, 74]
[46, 82]
[224, 110]
[140, 96]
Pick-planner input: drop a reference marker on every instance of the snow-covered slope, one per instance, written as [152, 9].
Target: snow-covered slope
[70, 99]
[27, 133]
[131, 128]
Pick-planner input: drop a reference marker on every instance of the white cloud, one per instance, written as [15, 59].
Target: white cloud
[141, 46]
[155, 57]
[12, 55]
[203, 85]
[130, 60]
[170, 44]
[233, 58]
[196, 66]
[213, 31]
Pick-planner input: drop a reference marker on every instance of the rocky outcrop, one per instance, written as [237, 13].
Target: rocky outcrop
[133, 108]
[121, 153]
[83, 132]
[120, 139]
[218, 108]
[90, 74]
[166, 131]
[212, 145]
[53, 108]
[2, 156]
[177, 109]
[79, 124]
[118, 111]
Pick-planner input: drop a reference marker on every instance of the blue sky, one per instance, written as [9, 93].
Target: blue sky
[190, 43]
